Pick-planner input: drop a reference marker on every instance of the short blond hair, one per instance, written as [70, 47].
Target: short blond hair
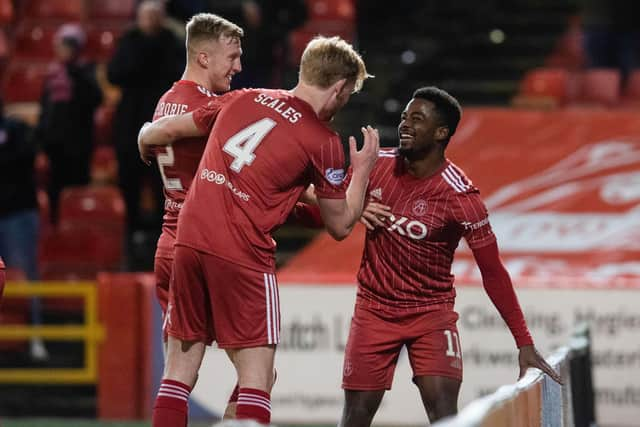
[326, 60]
[205, 27]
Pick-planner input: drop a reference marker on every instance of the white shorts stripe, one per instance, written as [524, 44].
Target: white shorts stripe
[276, 312]
[273, 309]
[268, 297]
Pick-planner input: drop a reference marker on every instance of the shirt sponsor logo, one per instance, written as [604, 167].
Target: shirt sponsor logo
[219, 179]
[419, 207]
[412, 229]
[334, 176]
[474, 226]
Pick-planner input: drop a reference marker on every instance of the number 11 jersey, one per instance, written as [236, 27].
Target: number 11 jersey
[265, 148]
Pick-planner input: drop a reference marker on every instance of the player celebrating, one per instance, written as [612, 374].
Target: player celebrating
[213, 58]
[265, 148]
[405, 286]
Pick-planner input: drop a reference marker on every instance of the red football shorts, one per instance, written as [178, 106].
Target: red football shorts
[162, 272]
[375, 342]
[215, 300]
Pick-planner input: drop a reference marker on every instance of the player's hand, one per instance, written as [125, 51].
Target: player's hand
[146, 151]
[363, 161]
[530, 358]
[374, 215]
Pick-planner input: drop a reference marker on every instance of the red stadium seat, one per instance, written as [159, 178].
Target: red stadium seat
[298, 39]
[23, 81]
[331, 9]
[6, 11]
[551, 83]
[34, 41]
[99, 208]
[600, 87]
[112, 9]
[57, 9]
[101, 40]
[104, 165]
[632, 88]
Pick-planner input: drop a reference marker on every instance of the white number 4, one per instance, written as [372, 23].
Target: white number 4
[242, 145]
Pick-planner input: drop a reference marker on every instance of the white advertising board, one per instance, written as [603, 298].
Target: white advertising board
[315, 324]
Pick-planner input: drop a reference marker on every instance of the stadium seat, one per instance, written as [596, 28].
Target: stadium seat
[104, 165]
[599, 87]
[6, 12]
[331, 10]
[96, 208]
[631, 93]
[299, 38]
[101, 40]
[547, 83]
[23, 81]
[34, 41]
[111, 9]
[72, 10]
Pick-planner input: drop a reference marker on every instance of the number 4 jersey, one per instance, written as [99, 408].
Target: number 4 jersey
[178, 163]
[265, 148]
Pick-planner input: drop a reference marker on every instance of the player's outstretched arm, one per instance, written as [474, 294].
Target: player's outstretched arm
[497, 283]
[340, 215]
[165, 131]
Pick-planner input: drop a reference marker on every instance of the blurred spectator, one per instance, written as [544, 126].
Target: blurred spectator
[148, 59]
[19, 219]
[69, 99]
[266, 24]
[611, 33]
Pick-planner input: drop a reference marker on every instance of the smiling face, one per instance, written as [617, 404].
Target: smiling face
[420, 130]
[222, 60]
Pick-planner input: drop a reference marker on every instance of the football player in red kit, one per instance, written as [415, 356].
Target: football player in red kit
[421, 206]
[265, 148]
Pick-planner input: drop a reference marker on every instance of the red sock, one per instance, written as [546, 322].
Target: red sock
[171, 408]
[234, 394]
[254, 404]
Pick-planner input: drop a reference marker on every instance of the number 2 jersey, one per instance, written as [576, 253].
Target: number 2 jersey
[178, 162]
[265, 148]
[406, 266]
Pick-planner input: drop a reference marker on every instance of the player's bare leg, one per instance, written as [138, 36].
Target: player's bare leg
[181, 371]
[439, 395]
[360, 407]
[255, 379]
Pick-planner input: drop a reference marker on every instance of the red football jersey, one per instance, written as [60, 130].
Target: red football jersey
[178, 162]
[407, 265]
[265, 148]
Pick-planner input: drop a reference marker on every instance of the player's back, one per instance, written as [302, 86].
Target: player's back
[265, 148]
[178, 162]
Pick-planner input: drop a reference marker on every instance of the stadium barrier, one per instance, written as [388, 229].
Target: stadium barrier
[537, 400]
[90, 333]
[121, 352]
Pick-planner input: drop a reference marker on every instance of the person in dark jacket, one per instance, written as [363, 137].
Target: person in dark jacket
[69, 100]
[19, 219]
[147, 60]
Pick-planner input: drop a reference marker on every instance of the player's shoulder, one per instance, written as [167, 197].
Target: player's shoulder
[456, 181]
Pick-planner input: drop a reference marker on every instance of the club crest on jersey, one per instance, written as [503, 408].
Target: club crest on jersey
[334, 176]
[419, 207]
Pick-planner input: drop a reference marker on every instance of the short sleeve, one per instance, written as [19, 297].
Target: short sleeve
[328, 175]
[205, 116]
[472, 215]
